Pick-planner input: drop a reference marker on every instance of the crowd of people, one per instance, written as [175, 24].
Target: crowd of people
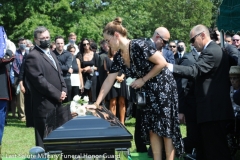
[180, 87]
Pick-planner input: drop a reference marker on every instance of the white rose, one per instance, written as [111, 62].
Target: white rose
[76, 98]
[81, 111]
[85, 98]
[73, 107]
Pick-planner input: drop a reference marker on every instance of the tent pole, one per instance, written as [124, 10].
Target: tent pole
[222, 39]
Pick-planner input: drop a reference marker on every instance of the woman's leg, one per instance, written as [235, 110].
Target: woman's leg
[169, 148]
[112, 105]
[122, 109]
[156, 144]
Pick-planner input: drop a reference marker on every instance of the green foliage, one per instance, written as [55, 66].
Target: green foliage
[88, 17]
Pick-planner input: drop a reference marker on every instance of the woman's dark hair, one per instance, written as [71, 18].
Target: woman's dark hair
[81, 49]
[81, 45]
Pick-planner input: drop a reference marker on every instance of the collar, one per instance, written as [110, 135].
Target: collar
[207, 44]
[44, 51]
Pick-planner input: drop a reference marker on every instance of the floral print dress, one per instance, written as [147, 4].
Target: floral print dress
[161, 112]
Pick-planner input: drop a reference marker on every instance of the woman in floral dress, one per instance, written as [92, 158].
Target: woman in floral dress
[139, 59]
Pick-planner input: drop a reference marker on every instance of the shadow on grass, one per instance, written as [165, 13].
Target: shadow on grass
[12, 121]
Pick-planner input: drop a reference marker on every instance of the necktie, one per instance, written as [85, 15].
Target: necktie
[180, 55]
[52, 60]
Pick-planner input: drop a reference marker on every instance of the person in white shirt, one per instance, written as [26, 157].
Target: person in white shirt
[72, 40]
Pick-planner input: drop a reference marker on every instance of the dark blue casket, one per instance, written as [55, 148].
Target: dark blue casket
[100, 133]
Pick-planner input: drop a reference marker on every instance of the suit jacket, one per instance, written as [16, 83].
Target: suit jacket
[177, 58]
[167, 54]
[46, 82]
[236, 97]
[211, 74]
[187, 99]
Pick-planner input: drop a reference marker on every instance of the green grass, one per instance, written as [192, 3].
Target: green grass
[18, 140]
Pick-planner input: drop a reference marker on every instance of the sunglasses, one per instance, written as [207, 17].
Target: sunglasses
[164, 41]
[85, 44]
[236, 40]
[172, 46]
[192, 40]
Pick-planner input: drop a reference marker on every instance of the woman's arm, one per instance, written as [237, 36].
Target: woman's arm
[107, 85]
[159, 62]
[80, 74]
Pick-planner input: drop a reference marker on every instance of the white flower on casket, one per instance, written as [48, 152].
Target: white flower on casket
[76, 98]
[86, 99]
[77, 105]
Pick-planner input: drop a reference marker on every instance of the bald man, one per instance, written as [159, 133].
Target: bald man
[214, 110]
[160, 38]
[236, 41]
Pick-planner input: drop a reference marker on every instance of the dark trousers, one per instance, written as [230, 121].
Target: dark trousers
[39, 123]
[212, 144]
[69, 90]
[28, 110]
[3, 109]
[140, 145]
[190, 141]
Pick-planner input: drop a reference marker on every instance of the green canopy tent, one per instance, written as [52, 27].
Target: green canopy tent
[229, 16]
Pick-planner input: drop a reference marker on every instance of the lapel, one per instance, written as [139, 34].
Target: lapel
[47, 59]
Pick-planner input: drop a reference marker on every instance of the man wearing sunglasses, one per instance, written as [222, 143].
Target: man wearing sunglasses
[214, 110]
[236, 41]
[172, 47]
[160, 39]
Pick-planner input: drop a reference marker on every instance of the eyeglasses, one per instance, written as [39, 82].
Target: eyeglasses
[192, 40]
[164, 41]
[236, 40]
[172, 46]
[85, 44]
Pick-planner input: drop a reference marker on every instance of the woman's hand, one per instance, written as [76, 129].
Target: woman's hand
[86, 69]
[119, 79]
[82, 89]
[137, 83]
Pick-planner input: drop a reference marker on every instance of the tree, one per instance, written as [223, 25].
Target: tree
[88, 17]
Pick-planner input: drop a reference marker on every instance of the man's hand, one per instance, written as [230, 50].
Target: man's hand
[22, 88]
[63, 96]
[70, 70]
[181, 118]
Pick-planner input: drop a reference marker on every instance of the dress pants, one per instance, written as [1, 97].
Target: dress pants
[20, 105]
[39, 128]
[69, 90]
[28, 110]
[212, 144]
[3, 109]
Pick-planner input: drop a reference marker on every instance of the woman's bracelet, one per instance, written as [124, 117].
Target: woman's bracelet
[97, 106]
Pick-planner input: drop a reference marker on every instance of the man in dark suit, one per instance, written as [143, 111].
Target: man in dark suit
[214, 109]
[187, 103]
[181, 48]
[47, 85]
